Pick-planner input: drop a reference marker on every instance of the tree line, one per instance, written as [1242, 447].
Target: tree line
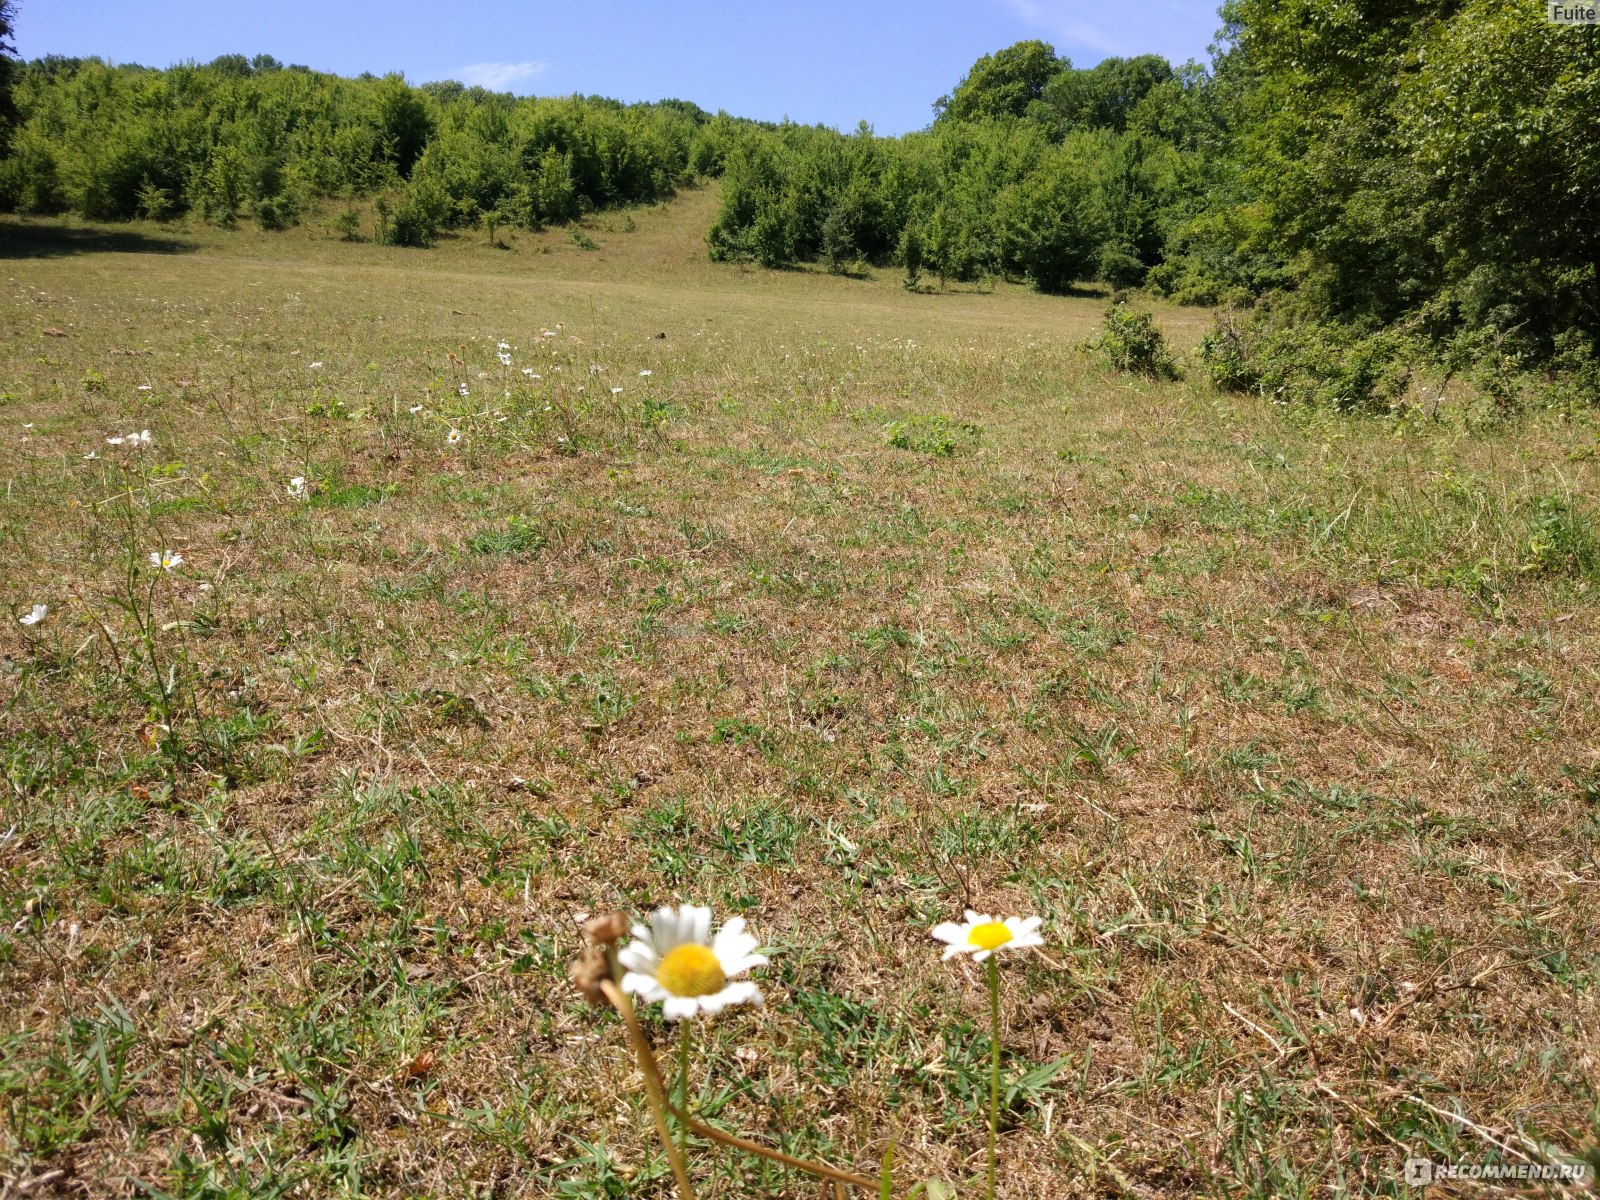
[1367, 181]
[242, 138]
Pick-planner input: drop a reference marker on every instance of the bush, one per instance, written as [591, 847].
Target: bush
[1131, 342]
[419, 216]
[1307, 362]
[276, 213]
[1120, 266]
[348, 225]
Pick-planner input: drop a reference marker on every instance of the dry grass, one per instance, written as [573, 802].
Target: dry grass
[861, 608]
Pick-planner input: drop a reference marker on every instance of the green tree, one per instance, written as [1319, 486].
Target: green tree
[1002, 84]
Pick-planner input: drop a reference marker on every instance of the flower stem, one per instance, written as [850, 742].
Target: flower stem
[654, 1090]
[994, 1064]
[685, 1040]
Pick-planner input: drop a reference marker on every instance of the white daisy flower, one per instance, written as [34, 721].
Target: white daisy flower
[297, 487]
[166, 560]
[981, 935]
[453, 437]
[616, 391]
[114, 441]
[528, 371]
[675, 959]
[414, 409]
[144, 387]
[644, 374]
[461, 390]
[549, 333]
[142, 438]
[316, 366]
[503, 346]
[35, 614]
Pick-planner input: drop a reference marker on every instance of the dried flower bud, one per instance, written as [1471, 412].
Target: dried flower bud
[589, 970]
[606, 928]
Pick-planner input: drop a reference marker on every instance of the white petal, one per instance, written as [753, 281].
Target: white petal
[743, 992]
[665, 930]
[980, 955]
[738, 964]
[696, 923]
[950, 932]
[643, 986]
[954, 949]
[978, 918]
[639, 956]
[1023, 925]
[680, 1008]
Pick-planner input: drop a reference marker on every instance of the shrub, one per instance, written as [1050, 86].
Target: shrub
[1564, 540]
[348, 225]
[1289, 361]
[1131, 342]
[277, 212]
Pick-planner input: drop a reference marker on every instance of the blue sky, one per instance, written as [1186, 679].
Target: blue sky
[830, 61]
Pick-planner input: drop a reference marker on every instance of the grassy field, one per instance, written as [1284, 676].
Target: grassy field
[861, 608]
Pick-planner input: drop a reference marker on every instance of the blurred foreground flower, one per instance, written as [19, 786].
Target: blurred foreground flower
[36, 614]
[675, 959]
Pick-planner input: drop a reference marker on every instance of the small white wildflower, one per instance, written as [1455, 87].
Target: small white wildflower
[144, 387]
[142, 438]
[461, 390]
[114, 441]
[316, 366]
[502, 345]
[616, 391]
[453, 437]
[166, 560]
[645, 374]
[414, 409]
[528, 371]
[297, 487]
[35, 614]
[982, 935]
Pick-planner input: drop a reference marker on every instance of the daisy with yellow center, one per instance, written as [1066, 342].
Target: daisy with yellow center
[676, 960]
[983, 937]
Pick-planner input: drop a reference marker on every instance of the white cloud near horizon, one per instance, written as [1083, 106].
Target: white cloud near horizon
[499, 76]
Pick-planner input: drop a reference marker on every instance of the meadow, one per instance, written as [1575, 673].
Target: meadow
[824, 603]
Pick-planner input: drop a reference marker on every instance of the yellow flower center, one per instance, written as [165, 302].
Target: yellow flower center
[691, 970]
[989, 936]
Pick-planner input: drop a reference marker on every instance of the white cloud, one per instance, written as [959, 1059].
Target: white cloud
[1179, 29]
[498, 76]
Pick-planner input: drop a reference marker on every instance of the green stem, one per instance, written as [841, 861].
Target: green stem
[994, 1064]
[685, 1038]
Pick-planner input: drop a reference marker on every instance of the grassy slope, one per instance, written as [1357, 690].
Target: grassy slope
[1287, 724]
